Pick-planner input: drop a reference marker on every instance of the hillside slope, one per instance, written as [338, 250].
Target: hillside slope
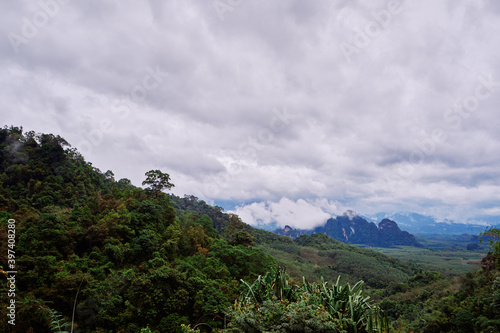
[133, 261]
[313, 256]
[137, 258]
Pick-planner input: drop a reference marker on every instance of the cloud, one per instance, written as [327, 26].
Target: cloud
[298, 214]
[362, 125]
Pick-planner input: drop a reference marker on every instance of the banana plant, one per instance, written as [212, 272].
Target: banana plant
[350, 310]
[272, 285]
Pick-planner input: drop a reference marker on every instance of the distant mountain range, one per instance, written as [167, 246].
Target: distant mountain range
[423, 224]
[351, 228]
[415, 223]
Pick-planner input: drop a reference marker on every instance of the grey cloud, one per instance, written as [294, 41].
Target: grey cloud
[355, 123]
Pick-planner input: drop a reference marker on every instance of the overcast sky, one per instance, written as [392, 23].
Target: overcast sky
[293, 110]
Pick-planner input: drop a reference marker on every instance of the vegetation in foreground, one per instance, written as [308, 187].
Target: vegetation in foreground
[273, 304]
[134, 259]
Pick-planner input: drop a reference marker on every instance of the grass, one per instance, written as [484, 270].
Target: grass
[321, 257]
[350, 265]
[306, 263]
[446, 261]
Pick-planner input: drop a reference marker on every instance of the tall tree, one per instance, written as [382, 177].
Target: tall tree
[157, 181]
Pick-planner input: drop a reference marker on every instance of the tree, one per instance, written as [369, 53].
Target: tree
[157, 181]
[473, 247]
[237, 232]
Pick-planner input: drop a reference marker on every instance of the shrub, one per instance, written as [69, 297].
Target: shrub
[273, 302]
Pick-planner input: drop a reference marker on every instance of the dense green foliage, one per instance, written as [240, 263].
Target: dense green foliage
[132, 259]
[273, 304]
[135, 260]
[468, 303]
[318, 255]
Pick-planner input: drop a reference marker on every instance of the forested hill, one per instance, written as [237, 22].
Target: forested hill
[140, 260]
[135, 261]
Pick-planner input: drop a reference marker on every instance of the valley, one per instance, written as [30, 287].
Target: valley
[131, 259]
[447, 262]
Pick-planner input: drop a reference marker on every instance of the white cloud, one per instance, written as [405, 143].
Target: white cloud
[209, 122]
[491, 211]
[298, 214]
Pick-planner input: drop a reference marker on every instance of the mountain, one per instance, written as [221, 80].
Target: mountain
[290, 232]
[103, 255]
[351, 228]
[107, 255]
[424, 224]
[112, 257]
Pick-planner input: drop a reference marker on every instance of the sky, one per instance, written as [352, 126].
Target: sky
[286, 111]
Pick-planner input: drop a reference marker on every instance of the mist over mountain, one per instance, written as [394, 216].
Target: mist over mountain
[308, 214]
[425, 224]
[311, 214]
[351, 228]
